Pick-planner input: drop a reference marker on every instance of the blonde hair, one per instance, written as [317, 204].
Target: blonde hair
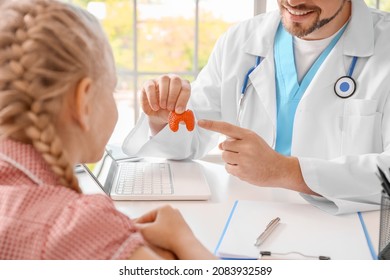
[46, 48]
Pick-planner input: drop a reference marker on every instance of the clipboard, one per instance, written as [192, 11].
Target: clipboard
[304, 229]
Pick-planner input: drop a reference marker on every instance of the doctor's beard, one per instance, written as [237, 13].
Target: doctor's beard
[296, 28]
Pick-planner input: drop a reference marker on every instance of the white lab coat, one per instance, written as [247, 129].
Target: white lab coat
[338, 141]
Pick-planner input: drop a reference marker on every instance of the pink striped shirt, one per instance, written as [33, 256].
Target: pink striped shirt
[39, 219]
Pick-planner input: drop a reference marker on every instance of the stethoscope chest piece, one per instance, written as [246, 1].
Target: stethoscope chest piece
[345, 87]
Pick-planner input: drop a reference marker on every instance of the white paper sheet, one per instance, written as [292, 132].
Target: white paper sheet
[303, 228]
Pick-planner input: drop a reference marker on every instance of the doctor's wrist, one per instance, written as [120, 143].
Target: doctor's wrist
[155, 128]
[292, 177]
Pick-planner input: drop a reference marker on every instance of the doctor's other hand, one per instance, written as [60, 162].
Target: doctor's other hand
[251, 159]
[163, 95]
[165, 228]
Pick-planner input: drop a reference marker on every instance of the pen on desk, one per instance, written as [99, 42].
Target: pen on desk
[269, 228]
[384, 181]
[289, 255]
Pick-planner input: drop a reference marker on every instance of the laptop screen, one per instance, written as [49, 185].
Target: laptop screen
[103, 171]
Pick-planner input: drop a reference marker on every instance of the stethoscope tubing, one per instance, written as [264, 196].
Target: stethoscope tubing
[246, 79]
[259, 59]
[337, 89]
[352, 66]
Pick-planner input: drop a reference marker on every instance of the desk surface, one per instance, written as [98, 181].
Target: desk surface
[207, 218]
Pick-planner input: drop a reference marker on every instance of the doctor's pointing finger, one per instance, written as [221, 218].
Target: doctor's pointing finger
[248, 157]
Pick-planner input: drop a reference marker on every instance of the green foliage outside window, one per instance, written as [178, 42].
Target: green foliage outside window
[383, 4]
[164, 44]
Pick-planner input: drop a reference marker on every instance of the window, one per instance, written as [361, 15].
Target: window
[154, 37]
[379, 4]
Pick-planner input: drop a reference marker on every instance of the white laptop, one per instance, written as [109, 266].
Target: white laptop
[149, 179]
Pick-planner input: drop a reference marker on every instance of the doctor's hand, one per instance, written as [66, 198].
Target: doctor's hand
[251, 159]
[163, 95]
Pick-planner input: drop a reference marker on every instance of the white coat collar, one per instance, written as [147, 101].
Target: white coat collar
[261, 41]
[358, 37]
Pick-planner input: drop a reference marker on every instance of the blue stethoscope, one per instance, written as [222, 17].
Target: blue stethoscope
[344, 87]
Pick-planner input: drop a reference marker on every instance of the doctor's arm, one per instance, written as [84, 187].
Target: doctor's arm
[341, 185]
[170, 92]
[244, 149]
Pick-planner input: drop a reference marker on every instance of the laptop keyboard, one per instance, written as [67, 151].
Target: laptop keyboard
[140, 178]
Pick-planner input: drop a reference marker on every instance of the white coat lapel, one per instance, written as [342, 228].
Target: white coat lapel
[260, 43]
[264, 85]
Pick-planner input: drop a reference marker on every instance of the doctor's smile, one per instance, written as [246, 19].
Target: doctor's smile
[299, 13]
[301, 18]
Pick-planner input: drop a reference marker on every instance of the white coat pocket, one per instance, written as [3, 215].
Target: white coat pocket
[361, 133]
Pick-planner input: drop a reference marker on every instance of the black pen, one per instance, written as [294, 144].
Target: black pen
[384, 181]
[289, 255]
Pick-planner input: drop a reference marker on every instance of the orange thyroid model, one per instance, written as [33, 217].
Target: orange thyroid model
[187, 117]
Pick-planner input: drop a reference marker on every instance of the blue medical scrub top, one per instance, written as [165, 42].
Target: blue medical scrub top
[288, 91]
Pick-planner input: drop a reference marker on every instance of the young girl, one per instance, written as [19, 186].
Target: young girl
[57, 76]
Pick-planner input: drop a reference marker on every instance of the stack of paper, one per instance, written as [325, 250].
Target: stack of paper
[303, 229]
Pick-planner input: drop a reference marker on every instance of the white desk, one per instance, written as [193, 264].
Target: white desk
[207, 218]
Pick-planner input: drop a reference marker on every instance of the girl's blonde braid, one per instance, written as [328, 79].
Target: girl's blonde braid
[39, 63]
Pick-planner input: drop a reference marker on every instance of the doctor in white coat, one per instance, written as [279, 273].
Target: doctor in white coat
[315, 114]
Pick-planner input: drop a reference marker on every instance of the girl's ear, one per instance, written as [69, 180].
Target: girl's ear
[82, 104]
